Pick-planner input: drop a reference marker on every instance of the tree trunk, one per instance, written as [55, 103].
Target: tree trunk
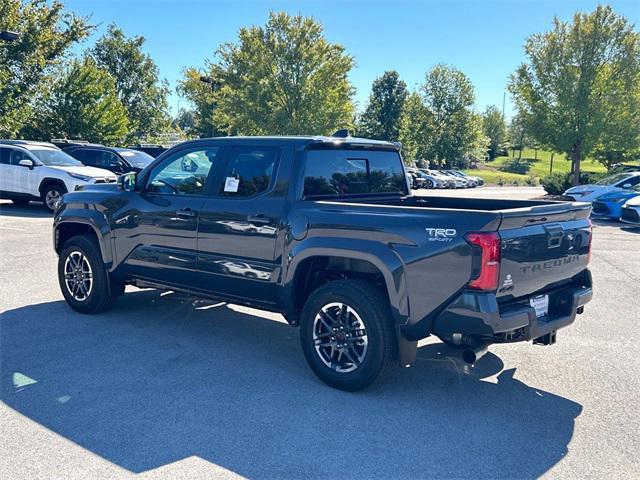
[551, 166]
[519, 154]
[576, 157]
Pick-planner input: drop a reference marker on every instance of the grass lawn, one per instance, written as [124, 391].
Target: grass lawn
[510, 170]
[493, 177]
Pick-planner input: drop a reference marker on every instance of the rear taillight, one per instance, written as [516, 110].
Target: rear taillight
[590, 240]
[489, 269]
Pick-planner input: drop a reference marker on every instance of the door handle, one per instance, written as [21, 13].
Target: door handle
[186, 213]
[259, 219]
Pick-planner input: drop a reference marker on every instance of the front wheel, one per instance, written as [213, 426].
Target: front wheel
[52, 195]
[346, 334]
[429, 184]
[82, 276]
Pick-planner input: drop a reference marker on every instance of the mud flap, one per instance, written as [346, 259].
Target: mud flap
[407, 349]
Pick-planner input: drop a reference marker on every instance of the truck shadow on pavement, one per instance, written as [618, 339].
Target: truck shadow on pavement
[160, 378]
[32, 210]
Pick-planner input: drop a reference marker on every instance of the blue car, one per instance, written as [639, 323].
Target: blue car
[610, 204]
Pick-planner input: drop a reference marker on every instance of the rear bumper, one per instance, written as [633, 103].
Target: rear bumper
[479, 318]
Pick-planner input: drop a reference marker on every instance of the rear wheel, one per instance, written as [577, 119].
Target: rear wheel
[346, 334]
[82, 276]
[52, 194]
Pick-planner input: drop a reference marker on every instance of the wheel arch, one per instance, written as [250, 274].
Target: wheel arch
[65, 228]
[369, 259]
[48, 181]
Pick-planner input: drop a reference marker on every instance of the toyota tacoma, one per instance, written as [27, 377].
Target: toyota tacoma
[325, 231]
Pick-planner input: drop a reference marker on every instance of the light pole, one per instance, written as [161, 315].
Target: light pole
[9, 36]
[215, 85]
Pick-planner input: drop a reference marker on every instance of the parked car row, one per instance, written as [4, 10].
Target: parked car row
[116, 159]
[426, 178]
[43, 171]
[615, 197]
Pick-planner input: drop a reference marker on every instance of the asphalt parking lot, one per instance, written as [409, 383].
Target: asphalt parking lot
[166, 386]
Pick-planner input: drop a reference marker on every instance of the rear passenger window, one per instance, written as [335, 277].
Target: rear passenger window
[4, 156]
[249, 171]
[633, 180]
[353, 172]
[88, 157]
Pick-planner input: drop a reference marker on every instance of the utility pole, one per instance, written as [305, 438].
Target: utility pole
[215, 85]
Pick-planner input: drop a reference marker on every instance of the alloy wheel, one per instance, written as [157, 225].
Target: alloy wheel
[51, 199]
[78, 276]
[340, 337]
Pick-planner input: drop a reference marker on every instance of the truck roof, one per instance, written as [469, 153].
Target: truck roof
[304, 141]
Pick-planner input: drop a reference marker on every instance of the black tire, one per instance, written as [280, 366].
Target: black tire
[98, 294]
[370, 304]
[429, 184]
[54, 190]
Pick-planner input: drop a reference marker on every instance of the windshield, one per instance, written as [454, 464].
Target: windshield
[55, 158]
[612, 179]
[136, 158]
[352, 172]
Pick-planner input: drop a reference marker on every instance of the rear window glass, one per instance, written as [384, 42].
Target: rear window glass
[353, 172]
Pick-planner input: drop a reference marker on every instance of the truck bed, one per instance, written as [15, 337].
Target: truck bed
[543, 244]
[456, 203]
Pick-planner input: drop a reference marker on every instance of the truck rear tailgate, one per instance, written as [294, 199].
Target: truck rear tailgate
[542, 248]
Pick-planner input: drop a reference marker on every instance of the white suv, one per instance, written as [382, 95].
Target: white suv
[41, 171]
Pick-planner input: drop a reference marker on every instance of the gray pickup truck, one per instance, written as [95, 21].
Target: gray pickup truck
[324, 230]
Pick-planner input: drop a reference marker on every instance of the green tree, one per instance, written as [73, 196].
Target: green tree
[414, 127]
[47, 34]
[494, 128]
[381, 118]
[449, 97]
[284, 78]
[184, 121]
[518, 136]
[137, 81]
[579, 80]
[620, 138]
[82, 104]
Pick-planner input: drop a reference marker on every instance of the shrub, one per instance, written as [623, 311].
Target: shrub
[556, 183]
[531, 181]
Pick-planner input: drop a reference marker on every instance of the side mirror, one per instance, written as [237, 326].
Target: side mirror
[127, 182]
[26, 163]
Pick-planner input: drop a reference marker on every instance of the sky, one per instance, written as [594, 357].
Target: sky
[484, 39]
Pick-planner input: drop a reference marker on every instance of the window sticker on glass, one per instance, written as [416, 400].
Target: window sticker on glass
[231, 184]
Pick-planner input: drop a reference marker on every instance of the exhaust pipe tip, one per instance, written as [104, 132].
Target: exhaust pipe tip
[472, 355]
